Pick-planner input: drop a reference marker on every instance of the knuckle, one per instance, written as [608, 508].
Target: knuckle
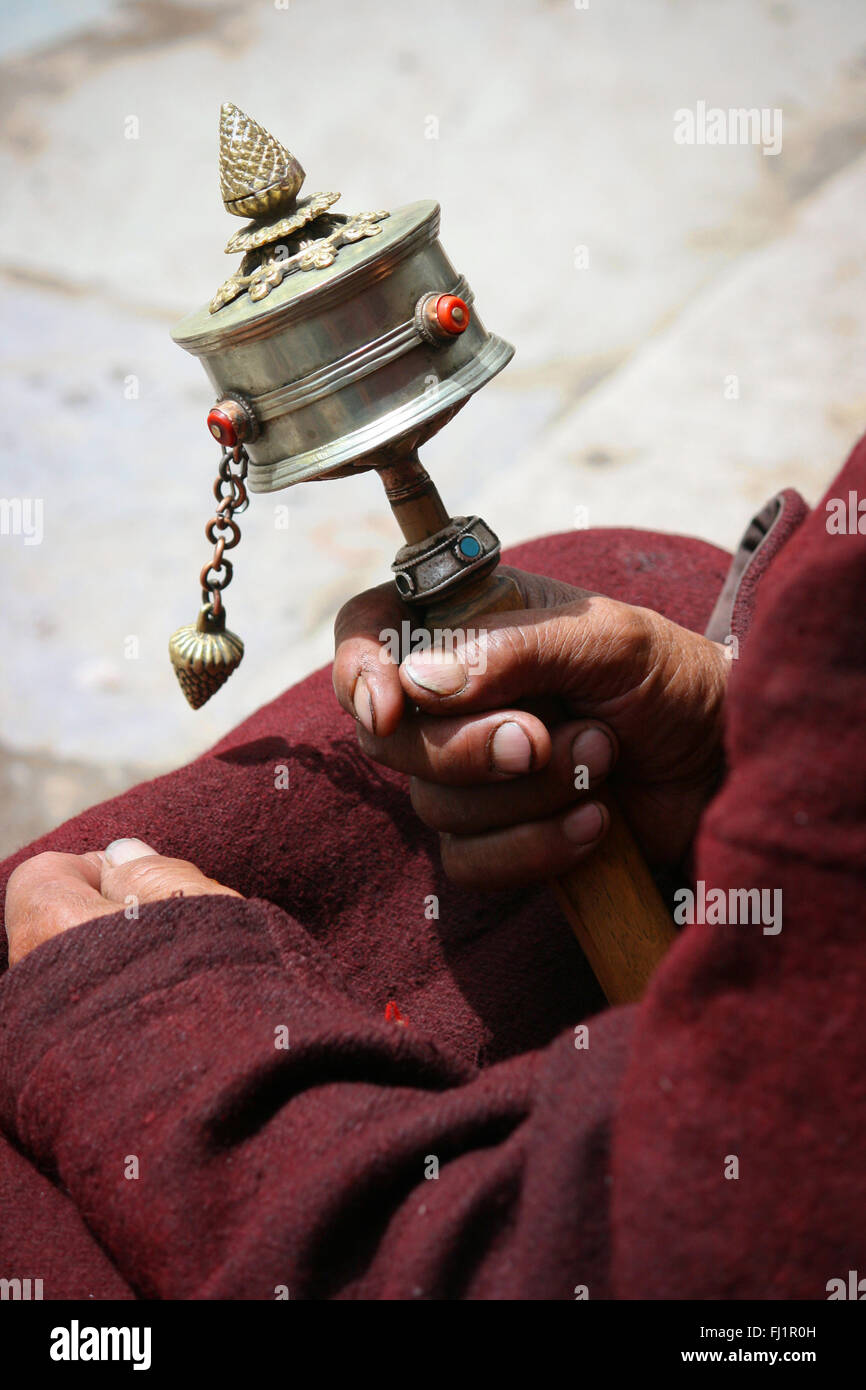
[516, 645]
[72, 908]
[347, 616]
[556, 643]
[152, 877]
[18, 879]
[431, 806]
[457, 862]
[398, 750]
[632, 631]
[44, 899]
[554, 638]
[35, 868]
[363, 612]
[469, 750]
[455, 753]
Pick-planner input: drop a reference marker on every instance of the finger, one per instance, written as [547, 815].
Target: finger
[465, 751]
[594, 650]
[367, 635]
[582, 756]
[525, 853]
[132, 869]
[540, 591]
[49, 894]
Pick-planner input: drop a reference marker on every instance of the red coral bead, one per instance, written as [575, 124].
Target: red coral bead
[222, 427]
[452, 313]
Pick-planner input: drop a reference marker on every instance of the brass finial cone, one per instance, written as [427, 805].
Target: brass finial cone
[258, 175]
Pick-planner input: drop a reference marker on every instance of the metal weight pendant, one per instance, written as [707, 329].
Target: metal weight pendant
[204, 654]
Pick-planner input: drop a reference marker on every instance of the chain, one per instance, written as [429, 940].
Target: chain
[222, 530]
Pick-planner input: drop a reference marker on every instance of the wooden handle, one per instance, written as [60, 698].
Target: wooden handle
[611, 901]
[616, 912]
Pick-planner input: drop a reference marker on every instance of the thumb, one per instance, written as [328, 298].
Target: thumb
[581, 648]
[133, 868]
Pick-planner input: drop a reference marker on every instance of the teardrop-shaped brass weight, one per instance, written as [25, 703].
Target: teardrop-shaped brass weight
[204, 654]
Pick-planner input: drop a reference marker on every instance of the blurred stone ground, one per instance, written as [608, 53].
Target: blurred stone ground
[690, 320]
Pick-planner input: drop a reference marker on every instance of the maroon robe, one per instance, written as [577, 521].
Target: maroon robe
[561, 1169]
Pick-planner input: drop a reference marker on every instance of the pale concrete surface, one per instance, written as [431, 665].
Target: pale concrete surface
[554, 131]
[757, 385]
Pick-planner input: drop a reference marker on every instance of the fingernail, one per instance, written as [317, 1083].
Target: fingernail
[363, 702]
[593, 750]
[124, 851]
[510, 749]
[584, 824]
[437, 671]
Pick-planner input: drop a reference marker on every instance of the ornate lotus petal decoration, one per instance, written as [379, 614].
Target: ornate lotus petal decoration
[259, 178]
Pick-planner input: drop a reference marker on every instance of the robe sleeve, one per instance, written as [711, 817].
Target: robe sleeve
[230, 1124]
[740, 1135]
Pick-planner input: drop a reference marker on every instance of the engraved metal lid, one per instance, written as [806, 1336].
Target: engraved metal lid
[305, 288]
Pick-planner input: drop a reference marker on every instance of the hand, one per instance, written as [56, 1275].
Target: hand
[491, 735]
[50, 893]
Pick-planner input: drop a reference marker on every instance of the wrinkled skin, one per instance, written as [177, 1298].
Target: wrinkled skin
[570, 662]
